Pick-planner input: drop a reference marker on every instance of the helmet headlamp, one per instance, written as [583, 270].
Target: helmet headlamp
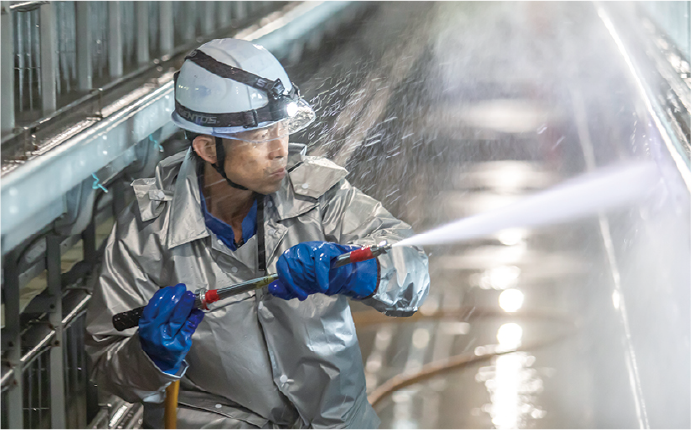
[291, 109]
[281, 105]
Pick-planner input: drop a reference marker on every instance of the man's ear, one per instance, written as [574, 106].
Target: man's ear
[205, 146]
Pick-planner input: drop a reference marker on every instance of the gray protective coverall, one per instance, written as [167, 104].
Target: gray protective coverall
[256, 360]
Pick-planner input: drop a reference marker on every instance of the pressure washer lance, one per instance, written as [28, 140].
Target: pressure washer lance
[130, 319]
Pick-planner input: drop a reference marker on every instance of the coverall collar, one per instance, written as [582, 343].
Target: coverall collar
[186, 221]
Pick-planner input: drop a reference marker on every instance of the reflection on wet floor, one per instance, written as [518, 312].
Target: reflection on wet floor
[446, 110]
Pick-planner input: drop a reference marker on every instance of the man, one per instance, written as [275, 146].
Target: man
[242, 203]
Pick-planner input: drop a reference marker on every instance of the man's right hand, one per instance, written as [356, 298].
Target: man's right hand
[167, 325]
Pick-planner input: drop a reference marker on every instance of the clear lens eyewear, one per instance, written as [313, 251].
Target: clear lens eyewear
[274, 131]
[299, 116]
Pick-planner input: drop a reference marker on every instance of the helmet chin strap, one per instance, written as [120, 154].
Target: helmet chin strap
[220, 161]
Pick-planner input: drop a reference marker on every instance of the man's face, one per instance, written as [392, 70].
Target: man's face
[259, 162]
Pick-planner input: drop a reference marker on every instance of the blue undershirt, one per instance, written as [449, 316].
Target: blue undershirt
[222, 230]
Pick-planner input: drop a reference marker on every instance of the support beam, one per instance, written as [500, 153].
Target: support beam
[142, 19]
[190, 21]
[49, 51]
[240, 10]
[11, 340]
[687, 13]
[118, 191]
[84, 33]
[7, 65]
[224, 14]
[208, 17]
[115, 60]
[57, 366]
[166, 27]
[89, 243]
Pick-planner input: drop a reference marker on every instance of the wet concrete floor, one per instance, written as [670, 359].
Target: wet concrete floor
[444, 110]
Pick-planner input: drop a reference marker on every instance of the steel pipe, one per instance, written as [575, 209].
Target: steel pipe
[7, 65]
[142, 20]
[57, 366]
[84, 63]
[48, 48]
[115, 60]
[165, 16]
[26, 6]
[11, 340]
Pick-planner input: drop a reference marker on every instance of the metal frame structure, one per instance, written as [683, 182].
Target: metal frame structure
[7, 66]
[674, 19]
[66, 168]
[656, 62]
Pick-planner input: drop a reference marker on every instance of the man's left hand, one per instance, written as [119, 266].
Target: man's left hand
[305, 269]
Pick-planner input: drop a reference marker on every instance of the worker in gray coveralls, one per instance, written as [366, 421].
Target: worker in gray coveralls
[240, 203]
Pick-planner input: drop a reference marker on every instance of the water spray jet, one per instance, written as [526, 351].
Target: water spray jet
[579, 197]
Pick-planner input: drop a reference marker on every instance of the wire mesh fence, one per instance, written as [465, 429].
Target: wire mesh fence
[90, 44]
[37, 392]
[80, 403]
[36, 373]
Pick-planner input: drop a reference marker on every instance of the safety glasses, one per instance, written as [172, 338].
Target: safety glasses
[299, 115]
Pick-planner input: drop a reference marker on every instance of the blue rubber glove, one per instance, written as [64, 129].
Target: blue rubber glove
[166, 327]
[305, 269]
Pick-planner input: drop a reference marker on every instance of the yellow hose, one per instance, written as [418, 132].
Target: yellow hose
[170, 419]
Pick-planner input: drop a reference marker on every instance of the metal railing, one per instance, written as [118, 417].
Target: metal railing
[102, 123]
[663, 70]
[674, 19]
[62, 50]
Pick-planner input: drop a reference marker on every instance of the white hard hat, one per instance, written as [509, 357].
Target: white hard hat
[228, 87]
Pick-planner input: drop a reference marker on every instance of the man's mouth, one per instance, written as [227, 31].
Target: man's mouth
[278, 174]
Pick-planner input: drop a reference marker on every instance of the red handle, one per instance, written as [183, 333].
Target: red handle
[211, 296]
[361, 255]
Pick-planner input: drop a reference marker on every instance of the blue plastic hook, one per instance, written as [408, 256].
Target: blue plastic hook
[151, 138]
[97, 184]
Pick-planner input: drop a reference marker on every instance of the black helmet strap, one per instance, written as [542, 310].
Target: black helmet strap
[220, 162]
[272, 88]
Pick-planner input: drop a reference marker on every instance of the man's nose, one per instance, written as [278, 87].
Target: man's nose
[278, 148]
